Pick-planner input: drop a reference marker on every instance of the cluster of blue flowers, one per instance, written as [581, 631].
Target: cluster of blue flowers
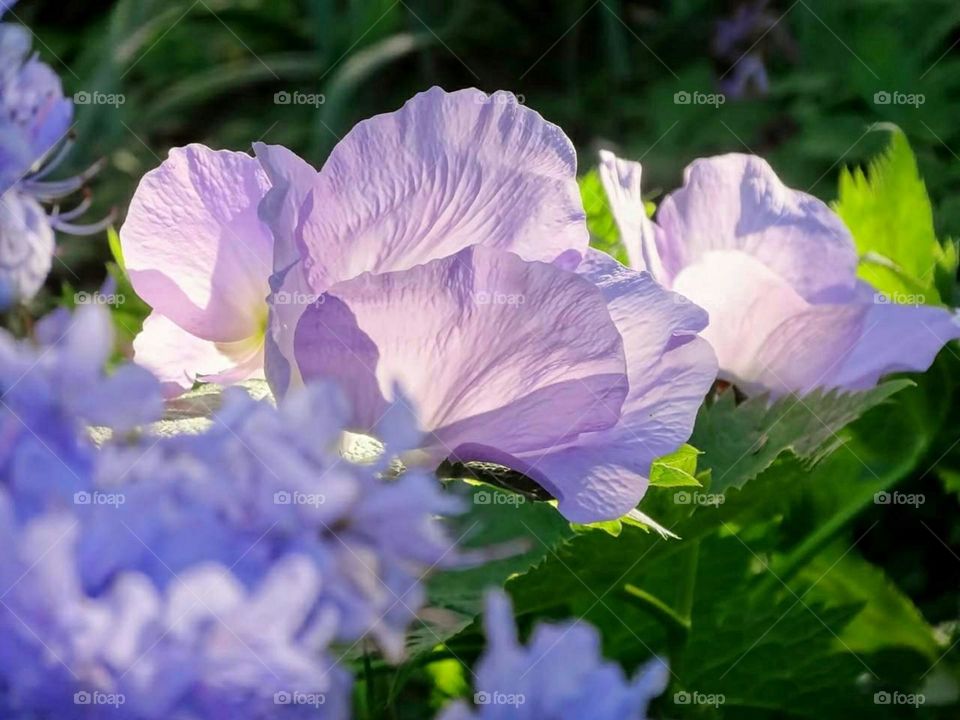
[193, 576]
[35, 123]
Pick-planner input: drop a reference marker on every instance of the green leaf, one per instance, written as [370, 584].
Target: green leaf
[113, 240]
[604, 234]
[678, 469]
[889, 618]
[890, 215]
[740, 441]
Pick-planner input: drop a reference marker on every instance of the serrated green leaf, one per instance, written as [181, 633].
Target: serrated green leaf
[889, 213]
[603, 229]
[740, 441]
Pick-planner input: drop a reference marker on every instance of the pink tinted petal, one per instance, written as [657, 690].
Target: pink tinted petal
[194, 246]
[446, 171]
[621, 181]
[896, 338]
[291, 180]
[178, 358]
[492, 350]
[603, 475]
[736, 202]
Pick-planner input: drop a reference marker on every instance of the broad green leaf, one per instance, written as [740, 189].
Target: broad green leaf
[889, 213]
[889, 618]
[740, 441]
[678, 469]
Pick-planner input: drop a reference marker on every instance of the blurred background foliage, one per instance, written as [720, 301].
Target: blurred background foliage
[608, 72]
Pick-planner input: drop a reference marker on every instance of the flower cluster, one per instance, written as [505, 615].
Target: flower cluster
[560, 675]
[419, 258]
[35, 122]
[194, 576]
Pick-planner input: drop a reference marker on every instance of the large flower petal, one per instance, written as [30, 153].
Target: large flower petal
[494, 351]
[896, 338]
[178, 358]
[194, 246]
[736, 202]
[766, 336]
[621, 181]
[291, 180]
[603, 475]
[446, 171]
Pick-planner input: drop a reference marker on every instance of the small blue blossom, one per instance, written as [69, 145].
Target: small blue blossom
[51, 392]
[559, 675]
[264, 483]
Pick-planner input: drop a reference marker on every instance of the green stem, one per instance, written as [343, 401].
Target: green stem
[665, 614]
[688, 561]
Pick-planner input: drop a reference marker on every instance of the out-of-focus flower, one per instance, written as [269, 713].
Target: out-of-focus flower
[35, 120]
[265, 483]
[775, 269]
[440, 250]
[205, 647]
[560, 674]
[51, 393]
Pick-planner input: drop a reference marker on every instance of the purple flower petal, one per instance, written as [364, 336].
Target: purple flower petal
[603, 475]
[194, 246]
[26, 245]
[495, 352]
[736, 202]
[446, 171]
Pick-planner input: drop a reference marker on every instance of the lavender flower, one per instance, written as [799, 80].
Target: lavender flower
[35, 120]
[264, 484]
[442, 250]
[776, 270]
[51, 393]
[203, 648]
[559, 675]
